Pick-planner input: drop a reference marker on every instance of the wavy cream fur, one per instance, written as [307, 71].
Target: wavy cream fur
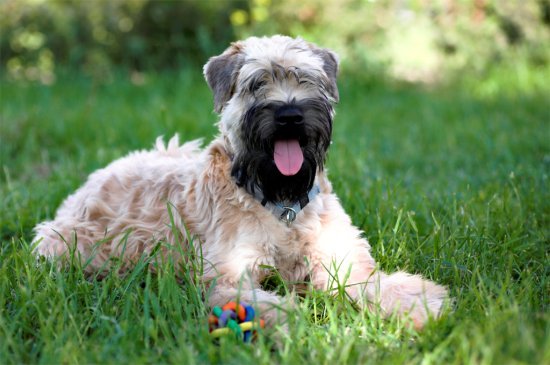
[126, 202]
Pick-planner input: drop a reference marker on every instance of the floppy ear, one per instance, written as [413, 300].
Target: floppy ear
[330, 66]
[221, 74]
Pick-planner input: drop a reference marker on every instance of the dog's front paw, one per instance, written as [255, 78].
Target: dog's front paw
[275, 312]
[410, 296]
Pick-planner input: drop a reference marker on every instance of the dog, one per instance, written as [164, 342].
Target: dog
[258, 195]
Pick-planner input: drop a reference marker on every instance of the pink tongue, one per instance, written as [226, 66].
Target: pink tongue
[288, 156]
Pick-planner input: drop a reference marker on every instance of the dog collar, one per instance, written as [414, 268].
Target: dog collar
[287, 211]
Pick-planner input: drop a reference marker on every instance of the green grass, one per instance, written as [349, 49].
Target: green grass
[450, 182]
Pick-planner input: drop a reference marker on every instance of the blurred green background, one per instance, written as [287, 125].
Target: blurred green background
[413, 40]
[441, 156]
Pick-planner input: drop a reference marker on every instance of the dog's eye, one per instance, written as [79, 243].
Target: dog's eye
[255, 86]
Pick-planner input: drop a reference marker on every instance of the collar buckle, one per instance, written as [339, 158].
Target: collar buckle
[288, 216]
[286, 211]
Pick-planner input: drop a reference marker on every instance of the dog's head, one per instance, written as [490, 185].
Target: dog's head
[275, 97]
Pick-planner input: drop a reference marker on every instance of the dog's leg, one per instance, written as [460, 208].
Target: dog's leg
[341, 257]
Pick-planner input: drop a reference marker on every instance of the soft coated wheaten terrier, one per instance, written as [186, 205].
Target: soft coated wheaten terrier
[257, 195]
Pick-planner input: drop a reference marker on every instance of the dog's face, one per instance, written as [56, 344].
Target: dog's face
[275, 97]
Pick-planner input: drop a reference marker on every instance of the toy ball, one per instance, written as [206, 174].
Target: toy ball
[234, 318]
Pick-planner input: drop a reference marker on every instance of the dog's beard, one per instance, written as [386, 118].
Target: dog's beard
[255, 168]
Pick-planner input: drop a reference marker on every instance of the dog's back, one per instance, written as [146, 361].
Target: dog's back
[130, 194]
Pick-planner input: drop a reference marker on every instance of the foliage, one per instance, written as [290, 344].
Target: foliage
[449, 182]
[412, 40]
[94, 35]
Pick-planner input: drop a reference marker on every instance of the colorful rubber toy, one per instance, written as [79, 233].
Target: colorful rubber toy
[234, 318]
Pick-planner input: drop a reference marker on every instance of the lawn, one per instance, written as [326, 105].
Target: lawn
[450, 182]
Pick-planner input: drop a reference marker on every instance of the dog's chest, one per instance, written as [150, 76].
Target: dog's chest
[288, 253]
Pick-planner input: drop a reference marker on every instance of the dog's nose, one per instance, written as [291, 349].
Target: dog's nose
[289, 115]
